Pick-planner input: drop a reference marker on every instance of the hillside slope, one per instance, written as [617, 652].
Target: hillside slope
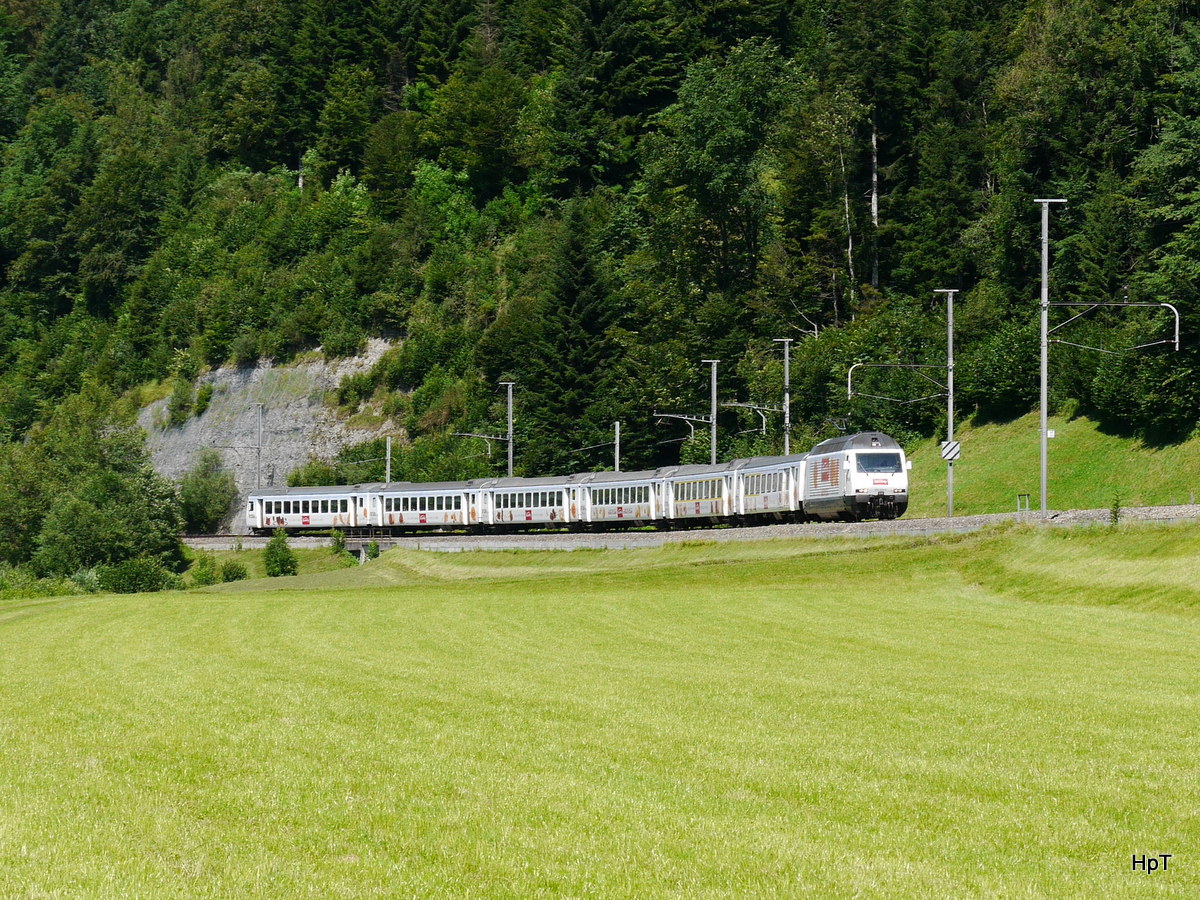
[1087, 468]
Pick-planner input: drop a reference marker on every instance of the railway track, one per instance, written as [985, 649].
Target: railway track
[615, 540]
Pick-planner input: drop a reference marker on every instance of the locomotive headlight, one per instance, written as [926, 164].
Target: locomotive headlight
[862, 491]
[898, 491]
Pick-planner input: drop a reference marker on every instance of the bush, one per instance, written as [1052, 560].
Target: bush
[205, 572]
[355, 389]
[344, 340]
[87, 580]
[206, 493]
[181, 402]
[232, 570]
[204, 397]
[134, 576]
[245, 350]
[337, 542]
[373, 550]
[278, 556]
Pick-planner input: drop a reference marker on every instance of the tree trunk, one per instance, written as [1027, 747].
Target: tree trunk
[874, 203]
[849, 232]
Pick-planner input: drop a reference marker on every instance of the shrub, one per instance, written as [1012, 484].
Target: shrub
[373, 550]
[205, 572]
[87, 580]
[181, 402]
[204, 397]
[206, 493]
[337, 542]
[355, 389]
[232, 570]
[134, 576]
[245, 350]
[278, 556]
[344, 340]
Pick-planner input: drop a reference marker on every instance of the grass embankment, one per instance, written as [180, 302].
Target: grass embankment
[826, 719]
[309, 560]
[1086, 469]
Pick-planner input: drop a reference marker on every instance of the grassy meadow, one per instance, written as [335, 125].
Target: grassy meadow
[1003, 714]
[1086, 469]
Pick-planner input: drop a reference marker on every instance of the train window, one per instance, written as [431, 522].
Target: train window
[441, 503]
[387, 505]
[544, 499]
[879, 463]
[345, 505]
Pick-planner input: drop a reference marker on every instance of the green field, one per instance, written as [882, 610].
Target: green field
[1004, 714]
[1086, 469]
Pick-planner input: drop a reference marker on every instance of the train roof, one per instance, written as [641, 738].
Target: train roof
[314, 489]
[612, 477]
[767, 462]
[685, 471]
[543, 481]
[865, 440]
[417, 487]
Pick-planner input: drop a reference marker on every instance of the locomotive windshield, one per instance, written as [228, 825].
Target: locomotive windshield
[879, 463]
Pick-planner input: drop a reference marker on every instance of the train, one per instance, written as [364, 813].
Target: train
[848, 478]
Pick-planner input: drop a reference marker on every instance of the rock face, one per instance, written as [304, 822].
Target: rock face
[296, 422]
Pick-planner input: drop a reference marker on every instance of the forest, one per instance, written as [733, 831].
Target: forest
[588, 198]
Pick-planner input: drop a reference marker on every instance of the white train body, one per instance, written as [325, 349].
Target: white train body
[854, 477]
[860, 476]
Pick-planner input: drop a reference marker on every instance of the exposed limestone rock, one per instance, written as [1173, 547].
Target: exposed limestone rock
[297, 423]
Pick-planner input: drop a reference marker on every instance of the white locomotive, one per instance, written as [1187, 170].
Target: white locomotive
[859, 476]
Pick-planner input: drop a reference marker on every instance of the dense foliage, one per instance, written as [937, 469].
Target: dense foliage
[79, 494]
[589, 197]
